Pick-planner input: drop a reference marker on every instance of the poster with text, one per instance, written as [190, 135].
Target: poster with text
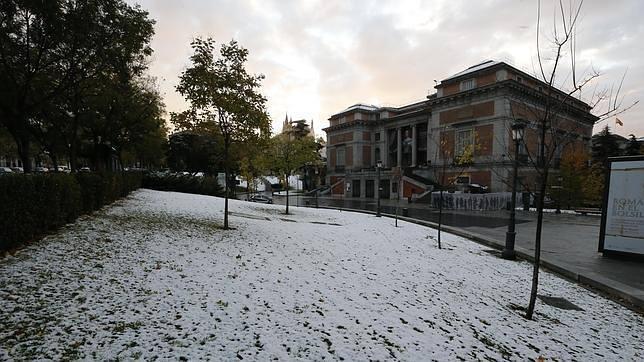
[624, 217]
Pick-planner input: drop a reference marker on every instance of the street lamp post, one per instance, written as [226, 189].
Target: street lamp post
[378, 166]
[518, 129]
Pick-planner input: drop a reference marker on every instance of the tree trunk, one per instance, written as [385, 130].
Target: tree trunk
[74, 145]
[226, 182]
[287, 175]
[543, 180]
[54, 160]
[24, 153]
[120, 158]
[537, 246]
[73, 160]
[440, 215]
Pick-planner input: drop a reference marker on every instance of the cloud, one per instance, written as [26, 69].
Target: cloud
[321, 56]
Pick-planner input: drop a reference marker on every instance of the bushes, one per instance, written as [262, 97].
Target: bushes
[33, 204]
[202, 185]
[98, 190]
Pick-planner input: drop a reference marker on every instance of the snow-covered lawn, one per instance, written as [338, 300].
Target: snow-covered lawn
[154, 276]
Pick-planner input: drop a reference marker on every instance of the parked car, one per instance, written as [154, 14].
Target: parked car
[261, 199]
[63, 169]
[5, 171]
[17, 169]
[475, 189]
[548, 202]
[41, 169]
[85, 169]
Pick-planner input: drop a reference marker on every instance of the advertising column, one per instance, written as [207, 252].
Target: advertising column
[622, 228]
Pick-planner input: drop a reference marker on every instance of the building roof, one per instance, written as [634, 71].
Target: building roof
[474, 68]
[373, 108]
[358, 106]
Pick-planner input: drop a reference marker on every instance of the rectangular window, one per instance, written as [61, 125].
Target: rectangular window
[377, 136]
[467, 84]
[340, 157]
[464, 140]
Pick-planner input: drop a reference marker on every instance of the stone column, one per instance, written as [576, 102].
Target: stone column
[398, 147]
[384, 150]
[414, 146]
[430, 156]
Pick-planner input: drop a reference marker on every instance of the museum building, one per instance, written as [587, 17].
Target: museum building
[474, 110]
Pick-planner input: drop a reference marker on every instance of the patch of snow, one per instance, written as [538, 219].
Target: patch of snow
[154, 277]
[554, 211]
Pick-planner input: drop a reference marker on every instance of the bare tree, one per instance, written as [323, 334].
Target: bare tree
[553, 116]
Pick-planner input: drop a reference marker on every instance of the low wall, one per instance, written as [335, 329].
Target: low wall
[463, 201]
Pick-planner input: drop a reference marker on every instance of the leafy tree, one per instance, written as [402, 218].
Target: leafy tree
[30, 32]
[567, 186]
[253, 161]
[223, 94]
[632, 147]
[604, 145]
[193, 152]
[456, 164]
[110, 102]
[287, 153]
[60, 60]
[593, 185]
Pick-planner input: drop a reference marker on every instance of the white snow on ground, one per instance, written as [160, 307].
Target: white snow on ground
[154, 277]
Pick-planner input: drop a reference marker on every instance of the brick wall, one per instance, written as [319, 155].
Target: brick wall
[409, 189]
[341, 138]
[339, 188]
[447, 144]
[484, 109]
[481, 80]
[484, 140]
[450, 89]
[366, 156]
[486, 79]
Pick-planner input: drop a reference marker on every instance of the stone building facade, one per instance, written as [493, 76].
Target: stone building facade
[417, 143]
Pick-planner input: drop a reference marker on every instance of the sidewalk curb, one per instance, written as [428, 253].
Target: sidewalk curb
[628, 296]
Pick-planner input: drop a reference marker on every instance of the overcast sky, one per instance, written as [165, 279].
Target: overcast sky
[320, 57]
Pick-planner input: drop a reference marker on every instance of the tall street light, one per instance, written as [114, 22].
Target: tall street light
[518, 129]
[378, 167]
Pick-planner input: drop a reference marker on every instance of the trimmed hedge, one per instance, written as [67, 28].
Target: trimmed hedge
[202, 185]
[32, 205]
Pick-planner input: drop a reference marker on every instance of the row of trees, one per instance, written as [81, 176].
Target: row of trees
[73, 82]
[581, 177]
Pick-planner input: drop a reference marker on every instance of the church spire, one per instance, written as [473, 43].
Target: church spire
[285, 125]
